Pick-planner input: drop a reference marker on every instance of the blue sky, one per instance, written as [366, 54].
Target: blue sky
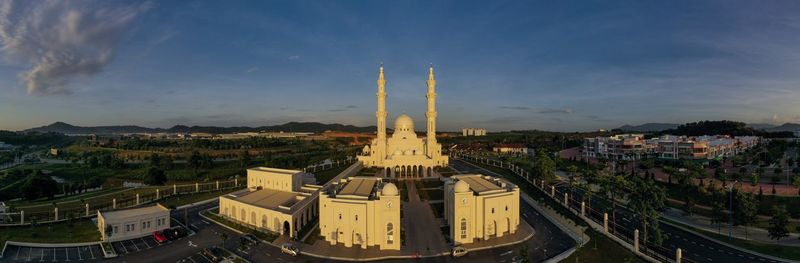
[551, 65]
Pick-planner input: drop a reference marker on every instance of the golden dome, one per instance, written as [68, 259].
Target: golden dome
[403, 123]
[389, 190]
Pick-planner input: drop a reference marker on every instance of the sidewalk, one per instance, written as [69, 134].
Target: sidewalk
[704, 223]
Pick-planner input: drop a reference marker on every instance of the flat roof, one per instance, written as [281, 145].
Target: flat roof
[275, 170]
[267, 198]
[133, 212]
[359, 187]
[479, 184]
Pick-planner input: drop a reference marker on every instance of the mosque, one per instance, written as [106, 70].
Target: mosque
[405, 155]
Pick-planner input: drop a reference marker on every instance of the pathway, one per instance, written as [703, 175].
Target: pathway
[423, 238]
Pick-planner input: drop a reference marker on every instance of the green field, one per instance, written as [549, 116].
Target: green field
[77, 231]
[601, 249]
[326, 175]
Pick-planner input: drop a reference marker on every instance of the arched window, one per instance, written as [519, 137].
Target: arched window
[253, 218]
[506, 208]
[243, 215]
[264, 221]
[389, 233]
[492, 210]
[463, 228]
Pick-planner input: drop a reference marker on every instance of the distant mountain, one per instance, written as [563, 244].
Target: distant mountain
[649, 127]
[761, 126]
[791, 127]
[61, 127]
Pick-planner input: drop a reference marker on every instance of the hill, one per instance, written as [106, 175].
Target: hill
[723, 127]
[790, 127]
[648, 127]
[316, 127]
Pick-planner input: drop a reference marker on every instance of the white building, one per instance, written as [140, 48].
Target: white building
[480, 207]
[473, 132]
[132, 223]
[512, 148]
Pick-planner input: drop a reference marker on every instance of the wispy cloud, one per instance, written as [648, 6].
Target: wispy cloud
[345, 108]
[251, 70]
[62, 40]
[294, 57]
[554, 111]
[515, 107]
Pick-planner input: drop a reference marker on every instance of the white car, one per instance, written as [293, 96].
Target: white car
[290, 249]
[459, 251]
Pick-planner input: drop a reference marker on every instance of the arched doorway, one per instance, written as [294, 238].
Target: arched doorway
[508, 225]
[286, 228]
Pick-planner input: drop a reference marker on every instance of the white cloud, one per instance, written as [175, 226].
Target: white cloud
[62, 40]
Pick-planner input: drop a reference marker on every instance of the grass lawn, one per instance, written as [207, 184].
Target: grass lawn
[326, 175]
[180, 200]
[83, 230]
[269, 237]
[764, 248]
[431, 194]
[601, 249]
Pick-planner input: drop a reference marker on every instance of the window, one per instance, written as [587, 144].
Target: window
[340, 216]
[116, 229]
[463, 228]
[506, 208]
[389, 233]
[492, 210]
[356, 217]
[144, 225]
[148, 224]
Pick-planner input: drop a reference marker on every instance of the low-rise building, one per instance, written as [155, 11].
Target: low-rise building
[473, 132]
[480, 207]
[361, 211]
[276, 200]
[512, 148]
[635, 146]
[132, 223]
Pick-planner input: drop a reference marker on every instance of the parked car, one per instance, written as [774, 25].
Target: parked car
[169, 234]
[159, 237]
[249, 239]
[213, 254]
[290, 249]
[459, 251]
[180, 231]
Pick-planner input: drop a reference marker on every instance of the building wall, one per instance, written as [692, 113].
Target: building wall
[269, 220]
[275, 179]
[132, 227]
[484, 216]
[362, 223]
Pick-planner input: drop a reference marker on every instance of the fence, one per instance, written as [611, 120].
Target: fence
[128, 198]
[599, 220]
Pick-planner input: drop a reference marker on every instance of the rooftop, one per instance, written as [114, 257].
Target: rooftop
[133, 212]
[359, 186]
[480, 184]
[266, 198]
[275, 170]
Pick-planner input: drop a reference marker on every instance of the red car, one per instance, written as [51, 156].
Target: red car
[159, 237]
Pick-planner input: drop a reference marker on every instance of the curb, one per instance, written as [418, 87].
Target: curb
[680, 226]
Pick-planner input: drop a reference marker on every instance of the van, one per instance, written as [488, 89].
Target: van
[290, 249]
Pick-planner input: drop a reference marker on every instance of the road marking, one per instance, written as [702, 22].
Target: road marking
[66, 250]
[79, 253]
[506, 253]
[123, 247]
[190, 258]
[42, 258]
[91, 252]
[134, 245]
[29, 253]
[54, 254]
[145, 242]
[16, 257]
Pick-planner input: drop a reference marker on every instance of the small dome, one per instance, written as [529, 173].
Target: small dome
[389, 190]
[461, 187]
[403, 123]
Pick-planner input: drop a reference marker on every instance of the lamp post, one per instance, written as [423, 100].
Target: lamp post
[730, 205]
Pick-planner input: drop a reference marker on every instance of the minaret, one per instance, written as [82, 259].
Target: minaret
[431, 114]
[381, 116]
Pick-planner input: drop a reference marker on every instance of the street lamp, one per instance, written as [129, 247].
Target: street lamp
[730, 205]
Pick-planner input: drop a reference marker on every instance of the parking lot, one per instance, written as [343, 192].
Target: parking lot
[134, 245]
[60, 254]
[196, 258]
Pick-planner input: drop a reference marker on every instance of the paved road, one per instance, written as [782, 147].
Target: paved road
[694, 247]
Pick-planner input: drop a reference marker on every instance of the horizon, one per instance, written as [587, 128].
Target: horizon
[501, 66]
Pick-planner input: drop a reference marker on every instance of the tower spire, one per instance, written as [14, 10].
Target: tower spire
[431, 114]
[381, 114]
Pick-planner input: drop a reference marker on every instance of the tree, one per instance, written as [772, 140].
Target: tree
[779, 223]
[746, 210]
[796, 183]
[155, 176]
[721, 175]
[754, 179]
[155, 160]
[718, 215]
[195, 161]
[167, 162]
[646, 199]
[572, 171]
[93, 162]
[39, 186]
[244, 159]
[544, 167]
[613, 187]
